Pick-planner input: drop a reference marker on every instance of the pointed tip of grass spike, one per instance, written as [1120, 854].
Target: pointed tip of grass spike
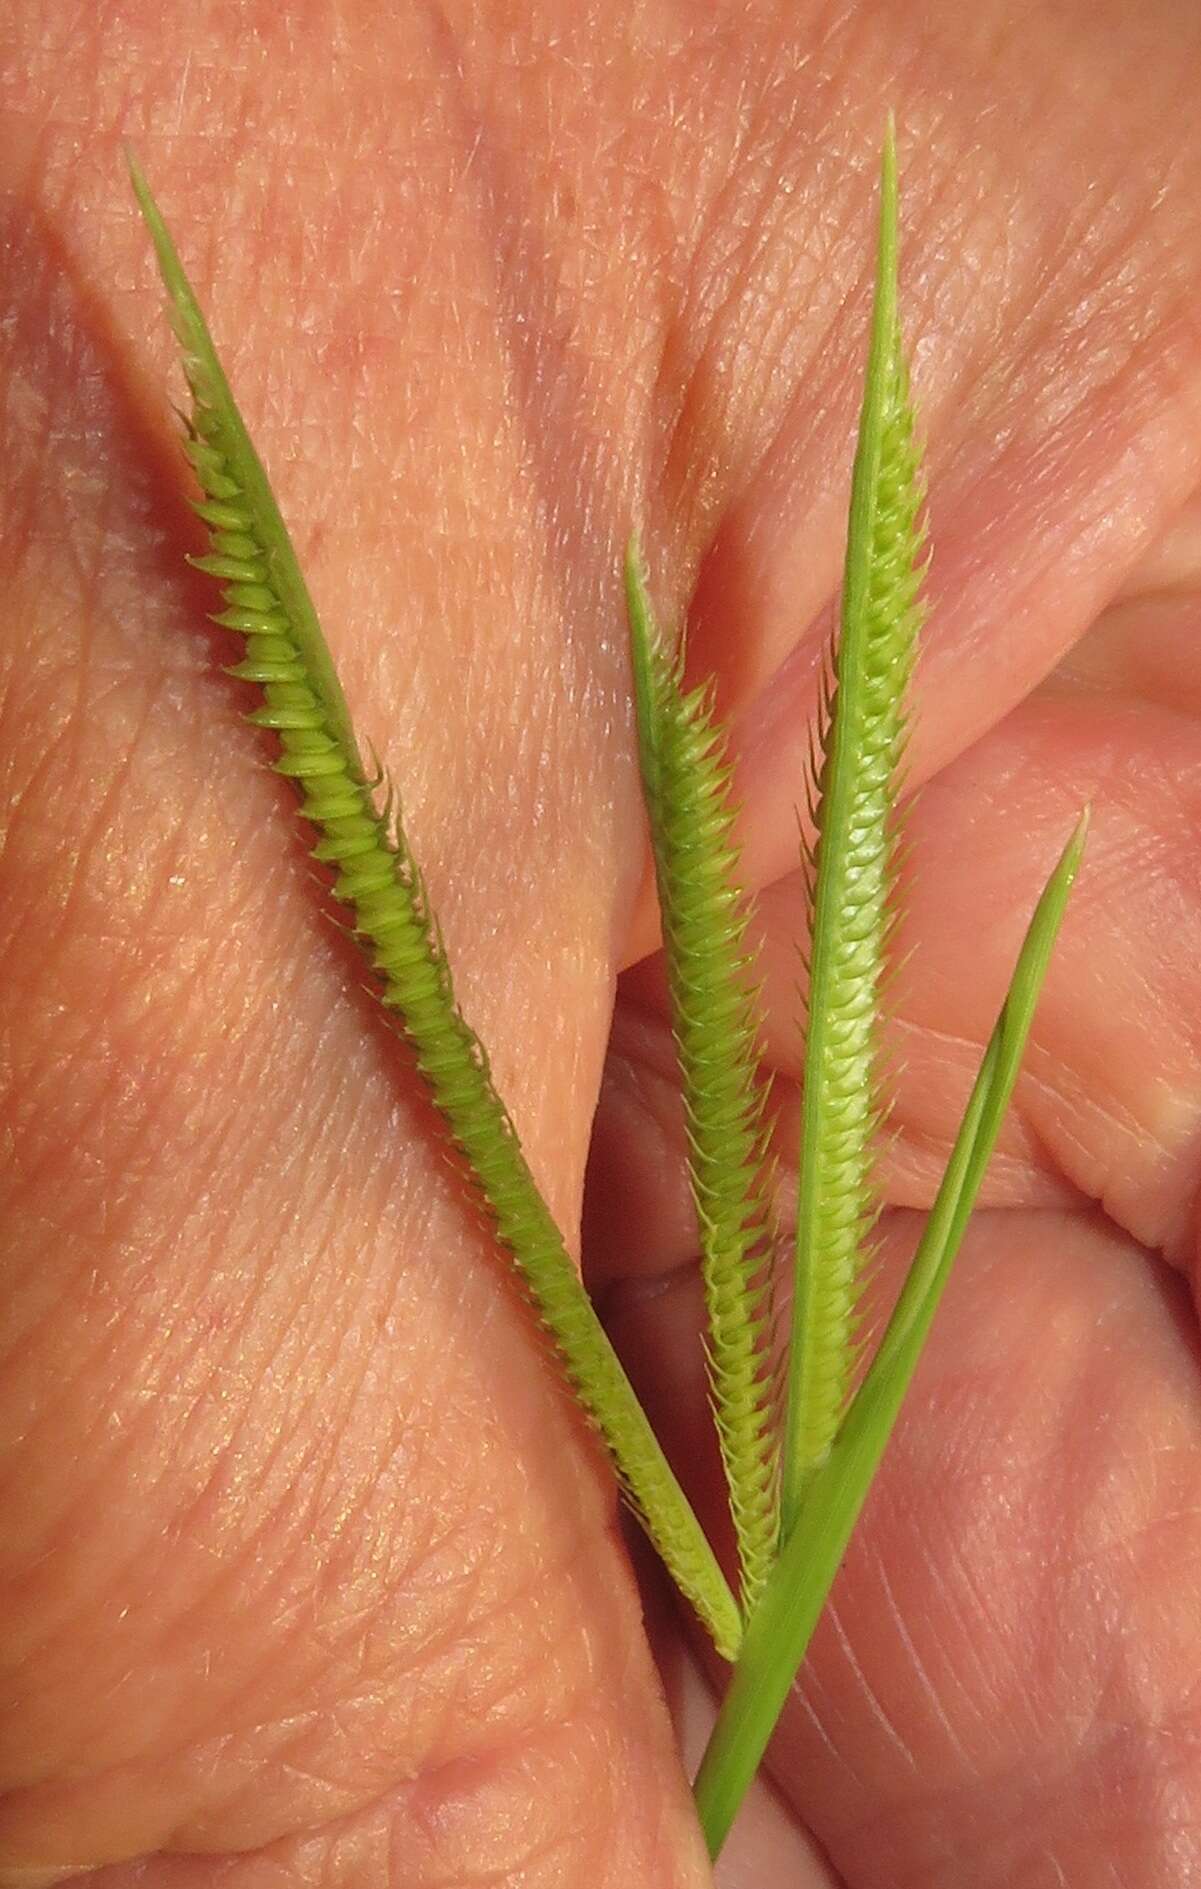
[168, 260]
[241, 472]
[137, 176]
[179, 291]
[647, 660]
[978, 1130]
[643, 628]
[886, 260]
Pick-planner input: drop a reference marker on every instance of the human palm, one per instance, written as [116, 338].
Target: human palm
[313, 1573]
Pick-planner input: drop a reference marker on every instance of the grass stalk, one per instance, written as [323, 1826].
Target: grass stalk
[778, 1635]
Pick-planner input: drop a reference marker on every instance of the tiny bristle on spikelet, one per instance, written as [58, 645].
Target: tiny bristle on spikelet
[378, 880]
[686, 781]
[853, 876]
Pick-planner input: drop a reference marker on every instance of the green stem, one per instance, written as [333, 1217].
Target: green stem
[779, 1632]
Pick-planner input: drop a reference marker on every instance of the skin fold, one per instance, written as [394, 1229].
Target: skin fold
[310, 1573]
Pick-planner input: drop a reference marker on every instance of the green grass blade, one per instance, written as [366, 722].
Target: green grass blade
[852, 885]
[686, 781]
[378, 880]
[779, 1633]
[893, 1364]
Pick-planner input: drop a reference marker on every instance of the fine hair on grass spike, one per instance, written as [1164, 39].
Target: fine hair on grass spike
[796, 1477]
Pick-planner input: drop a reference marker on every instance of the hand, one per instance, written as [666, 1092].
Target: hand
[314, 1573]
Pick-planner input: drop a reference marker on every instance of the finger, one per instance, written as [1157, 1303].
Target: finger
[1060, 407]
[1001, 1684]
[311, 1543]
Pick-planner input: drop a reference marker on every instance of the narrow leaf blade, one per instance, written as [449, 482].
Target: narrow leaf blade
[779, 1633]
[885, 1383]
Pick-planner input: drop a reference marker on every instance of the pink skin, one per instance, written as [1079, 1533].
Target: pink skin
[310, 1574]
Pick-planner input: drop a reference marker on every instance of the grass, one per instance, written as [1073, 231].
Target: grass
[799, 1444]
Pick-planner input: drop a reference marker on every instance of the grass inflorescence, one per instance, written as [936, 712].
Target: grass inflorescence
[377, 878]
[686, 777]
[798, 1456]
[851, 874]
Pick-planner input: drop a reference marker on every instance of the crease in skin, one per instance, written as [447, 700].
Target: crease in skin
[1172, 565]
[928, 1690]
[448, 1754]
[442, 1824]
[865, 1691]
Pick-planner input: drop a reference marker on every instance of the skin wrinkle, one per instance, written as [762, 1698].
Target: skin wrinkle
[928, 1691]
[300, 1297]
[102, 1344]
[213, 1494]
[977, 1709]
[129, 1436]
[701, 382]
[719, 516]
[461, 1651]
[113, 1051]
[129, 1439]
[549, 377]
[569, 1708]
[101, 815]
